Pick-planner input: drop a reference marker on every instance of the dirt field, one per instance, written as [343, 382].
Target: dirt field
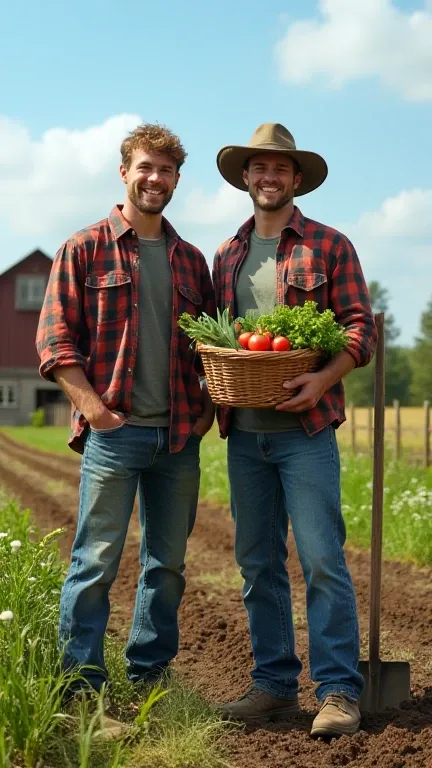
[215, 652]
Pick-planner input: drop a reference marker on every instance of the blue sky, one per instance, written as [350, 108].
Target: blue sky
[351, 80]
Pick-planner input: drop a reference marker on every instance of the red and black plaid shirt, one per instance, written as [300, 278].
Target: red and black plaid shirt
[314, 263]
[90, 318]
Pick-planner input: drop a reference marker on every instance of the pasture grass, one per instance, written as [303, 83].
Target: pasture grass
[50, 439]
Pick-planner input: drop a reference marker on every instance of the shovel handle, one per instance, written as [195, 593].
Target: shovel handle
[377, 494]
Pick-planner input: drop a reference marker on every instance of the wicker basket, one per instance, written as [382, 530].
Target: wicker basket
[254, 379]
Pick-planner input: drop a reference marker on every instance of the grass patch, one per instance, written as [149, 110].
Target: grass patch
[226, 579]
[51, 439]
[178, 730]
[214, 478]
[183, 733]
[407, 533]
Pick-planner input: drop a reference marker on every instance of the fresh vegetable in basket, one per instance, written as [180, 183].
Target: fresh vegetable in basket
[205, 330]
[299, 327]
[303, 326]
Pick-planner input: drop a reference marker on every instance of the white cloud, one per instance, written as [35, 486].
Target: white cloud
[51, 185]
[394, 244]
[408, 214]
[227, 205]
[355, 39]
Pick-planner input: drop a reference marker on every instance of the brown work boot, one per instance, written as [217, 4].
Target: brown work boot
[258, 706]
[338, 716]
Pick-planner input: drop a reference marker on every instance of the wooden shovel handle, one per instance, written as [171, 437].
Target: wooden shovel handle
[377, 493]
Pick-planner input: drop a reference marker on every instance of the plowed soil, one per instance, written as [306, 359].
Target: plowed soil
[215, 651]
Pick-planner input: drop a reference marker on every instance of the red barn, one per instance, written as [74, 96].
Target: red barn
[22, 289]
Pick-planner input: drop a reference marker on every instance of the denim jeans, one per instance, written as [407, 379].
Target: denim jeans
[277, 477]
[116, 463]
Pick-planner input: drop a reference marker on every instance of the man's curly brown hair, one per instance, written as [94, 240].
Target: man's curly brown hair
[153, 138]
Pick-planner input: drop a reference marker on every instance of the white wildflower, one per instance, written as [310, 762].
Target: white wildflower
[16, 545]
[32, 578]
[3, 535]
[6, 616]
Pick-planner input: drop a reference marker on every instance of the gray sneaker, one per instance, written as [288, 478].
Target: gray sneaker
[258, 706]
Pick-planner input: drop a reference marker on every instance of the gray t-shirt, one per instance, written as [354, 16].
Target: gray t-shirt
[257, 289]
[150, 389]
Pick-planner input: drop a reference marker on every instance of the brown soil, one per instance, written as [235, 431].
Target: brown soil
[215, 650]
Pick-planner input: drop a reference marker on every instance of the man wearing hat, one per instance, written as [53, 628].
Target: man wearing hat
[283, 463]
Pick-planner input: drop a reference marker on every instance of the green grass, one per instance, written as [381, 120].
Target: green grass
[226, 579]
[407, 498]
[51, 439]
[214, 478]
[174, 731]
[407, 532]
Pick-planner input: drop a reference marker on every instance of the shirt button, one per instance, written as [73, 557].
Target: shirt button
[135, 306]
[129, 370]
[133, 233]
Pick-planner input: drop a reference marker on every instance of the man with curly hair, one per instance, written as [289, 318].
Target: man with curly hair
[108, 334]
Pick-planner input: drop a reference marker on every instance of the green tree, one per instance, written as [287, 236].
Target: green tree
[359, 385]
[421, 360]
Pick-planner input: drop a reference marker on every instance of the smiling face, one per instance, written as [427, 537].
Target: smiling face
[271, 179]
[150, 180]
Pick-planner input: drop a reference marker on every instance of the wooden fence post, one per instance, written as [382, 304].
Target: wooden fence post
[353, 429]
[396, 406]
[427, 434]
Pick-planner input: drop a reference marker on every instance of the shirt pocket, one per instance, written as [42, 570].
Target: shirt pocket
[189, 300]
[109, 296]
[306, 281]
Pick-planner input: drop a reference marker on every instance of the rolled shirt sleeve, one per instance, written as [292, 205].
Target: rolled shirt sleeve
[60, 318]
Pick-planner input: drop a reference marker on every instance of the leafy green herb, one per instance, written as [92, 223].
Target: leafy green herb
[305, 327]
[206, 330]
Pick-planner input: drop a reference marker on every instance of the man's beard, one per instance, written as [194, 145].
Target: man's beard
[149, 206]
[265, 205]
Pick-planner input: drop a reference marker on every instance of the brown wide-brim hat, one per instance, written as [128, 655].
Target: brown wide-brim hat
[272, 137]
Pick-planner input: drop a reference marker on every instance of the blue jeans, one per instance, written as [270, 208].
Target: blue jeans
[276, 477]
[116, 463]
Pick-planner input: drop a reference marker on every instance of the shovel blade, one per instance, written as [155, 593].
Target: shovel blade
[386, 685]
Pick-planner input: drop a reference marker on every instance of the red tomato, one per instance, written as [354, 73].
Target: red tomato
[243, 339]
[268, 334]
[259, 343]
[281, 344]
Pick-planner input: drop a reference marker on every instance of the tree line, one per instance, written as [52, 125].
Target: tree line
[408, 369]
